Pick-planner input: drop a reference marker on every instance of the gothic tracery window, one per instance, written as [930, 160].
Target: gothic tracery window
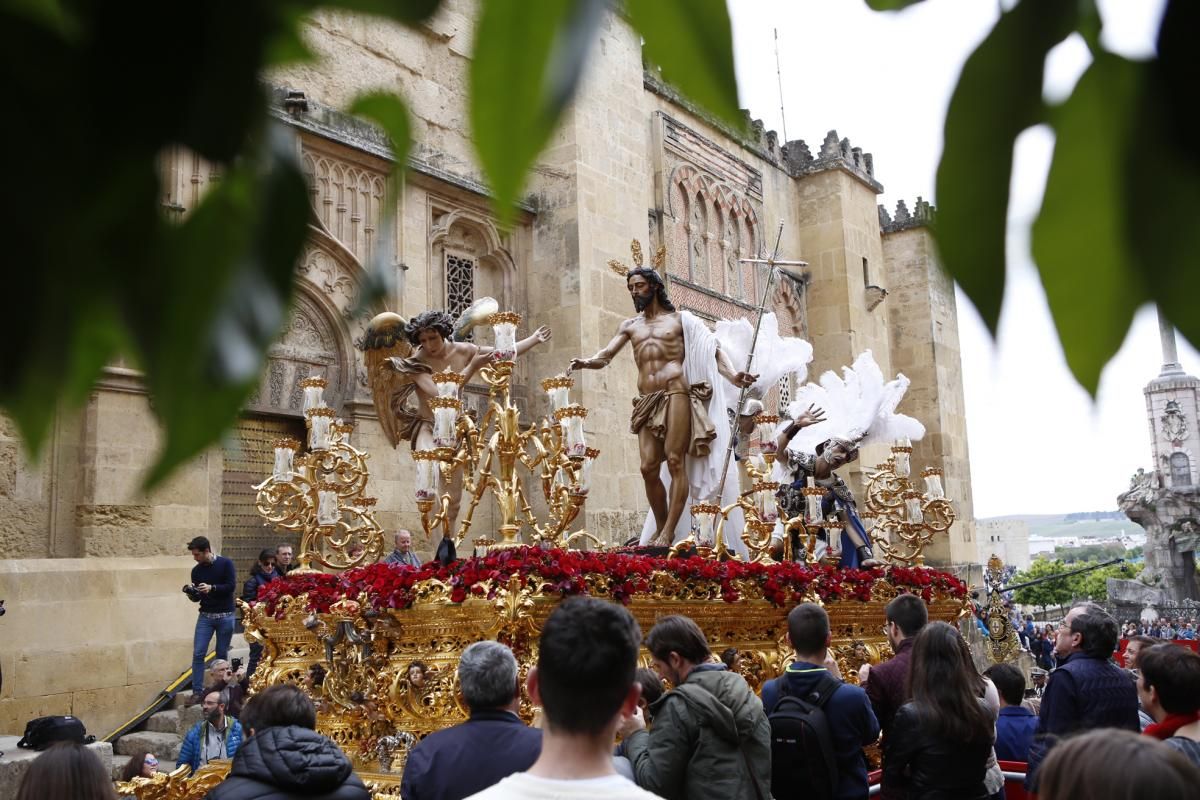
[460, 283]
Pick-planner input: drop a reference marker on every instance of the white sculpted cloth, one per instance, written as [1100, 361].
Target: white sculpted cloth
[704, 474]
[523, 786]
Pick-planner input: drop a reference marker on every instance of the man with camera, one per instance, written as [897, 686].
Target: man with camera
[212, 586]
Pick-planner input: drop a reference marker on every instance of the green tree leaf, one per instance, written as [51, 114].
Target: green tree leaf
[388, 112]
[1162, 170]
[233, 260]
[891, 5]
[691, 41]
[1079, 238]
[999, 94]
[528, 60]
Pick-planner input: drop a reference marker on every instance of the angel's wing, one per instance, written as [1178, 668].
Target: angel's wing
[385, 339]
[474, 314]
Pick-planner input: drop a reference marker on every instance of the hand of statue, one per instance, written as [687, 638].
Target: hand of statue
[811, 416]
[632, 724]
[542, 334]
[743, 380]
[582, 363]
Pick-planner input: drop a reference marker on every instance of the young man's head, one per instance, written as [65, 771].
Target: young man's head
[584, 678]
[808, 631]
[652, 689]
[1009, 681]
[430, 330]
[906, 615]
[676, 645]
[1134, 648]
[279, 706]
[1087, 629]
[487, 676]
[1169, 682]
[200, 549]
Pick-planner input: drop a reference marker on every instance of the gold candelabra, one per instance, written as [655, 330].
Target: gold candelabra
[320, 494]
[906, 519]
[484, 456]
[760, 511]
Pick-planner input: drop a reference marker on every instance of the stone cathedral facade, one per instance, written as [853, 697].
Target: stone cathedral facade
[630, 160]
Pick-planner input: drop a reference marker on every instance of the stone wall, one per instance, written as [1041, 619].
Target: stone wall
[94, 637]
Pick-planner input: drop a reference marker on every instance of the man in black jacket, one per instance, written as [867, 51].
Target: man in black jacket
[285, 758]
[494, 743]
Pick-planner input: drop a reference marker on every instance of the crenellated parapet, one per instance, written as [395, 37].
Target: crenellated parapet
[922, 215]
[834, 153]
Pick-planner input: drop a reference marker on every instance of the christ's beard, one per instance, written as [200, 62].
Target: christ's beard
[641, 302]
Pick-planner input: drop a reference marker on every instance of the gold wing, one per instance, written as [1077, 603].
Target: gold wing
[383, 340]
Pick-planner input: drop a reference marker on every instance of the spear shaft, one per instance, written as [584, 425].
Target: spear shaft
[737, 410]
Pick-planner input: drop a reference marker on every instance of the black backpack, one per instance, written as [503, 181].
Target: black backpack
[802, 756]
[42, 732]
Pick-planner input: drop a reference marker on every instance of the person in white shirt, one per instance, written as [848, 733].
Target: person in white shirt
[585, 683]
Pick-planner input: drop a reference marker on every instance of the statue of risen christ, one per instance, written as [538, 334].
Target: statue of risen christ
[679, 362]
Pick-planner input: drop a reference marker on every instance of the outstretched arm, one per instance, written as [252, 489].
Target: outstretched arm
[810, 417]
[531, 341]
[741, 380]
[601, 359]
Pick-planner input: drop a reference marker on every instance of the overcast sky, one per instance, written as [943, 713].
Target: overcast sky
[884, 81]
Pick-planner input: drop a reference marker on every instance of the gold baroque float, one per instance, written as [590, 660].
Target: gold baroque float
[366, 627]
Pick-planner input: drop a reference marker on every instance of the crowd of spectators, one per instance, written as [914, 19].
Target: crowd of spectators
[1169, 628]
[693, 729]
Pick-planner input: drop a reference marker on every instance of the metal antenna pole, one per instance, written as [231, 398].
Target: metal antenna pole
[779, 77]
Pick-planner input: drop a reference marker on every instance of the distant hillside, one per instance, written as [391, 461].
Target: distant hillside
[1060, 525]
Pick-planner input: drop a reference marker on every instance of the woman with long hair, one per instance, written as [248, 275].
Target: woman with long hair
[141, 765]
[67, 770]
[940, 741]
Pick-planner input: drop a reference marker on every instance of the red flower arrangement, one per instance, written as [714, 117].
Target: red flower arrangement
[620, 576]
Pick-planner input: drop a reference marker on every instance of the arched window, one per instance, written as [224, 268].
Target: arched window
[1181, 470]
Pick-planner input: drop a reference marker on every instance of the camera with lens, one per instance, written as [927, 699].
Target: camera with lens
[235, 663]
[192, 592]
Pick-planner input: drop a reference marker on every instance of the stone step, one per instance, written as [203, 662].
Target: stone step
[164, 745]
[163, 722]
[188, 717]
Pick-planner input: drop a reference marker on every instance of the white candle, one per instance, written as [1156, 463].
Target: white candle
[913, 506]
[765, 500]
[813, 503]
[328, 512]
[284, 460]
[314, 393]
[506, 341]
[443, 427]
[427, 476]
[318, 431]
[704, 525]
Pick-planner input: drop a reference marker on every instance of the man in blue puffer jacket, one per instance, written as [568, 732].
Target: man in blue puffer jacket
[215, 737]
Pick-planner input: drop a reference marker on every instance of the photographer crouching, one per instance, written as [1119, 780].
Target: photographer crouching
[213, 582]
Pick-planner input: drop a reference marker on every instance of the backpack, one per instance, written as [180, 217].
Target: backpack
[42, 732]
[802, 755]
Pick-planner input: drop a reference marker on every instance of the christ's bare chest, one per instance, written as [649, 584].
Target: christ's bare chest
[658, 338]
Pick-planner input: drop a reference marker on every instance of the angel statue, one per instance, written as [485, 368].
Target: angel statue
[402, 358]
[828, 423]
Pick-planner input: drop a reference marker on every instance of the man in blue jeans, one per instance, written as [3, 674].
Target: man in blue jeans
[213, 579]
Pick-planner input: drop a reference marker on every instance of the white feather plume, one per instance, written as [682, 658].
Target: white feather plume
[858, 404]
[774, 356]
